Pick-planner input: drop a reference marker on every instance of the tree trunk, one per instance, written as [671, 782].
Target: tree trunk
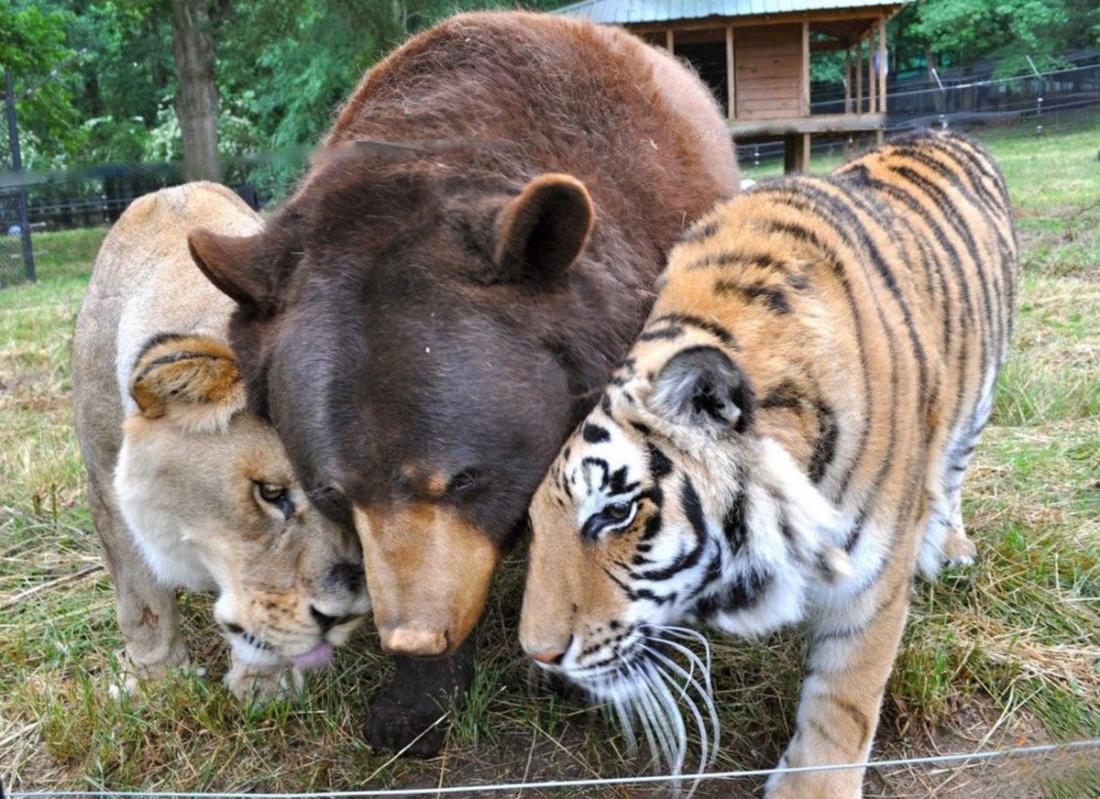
[196, 100]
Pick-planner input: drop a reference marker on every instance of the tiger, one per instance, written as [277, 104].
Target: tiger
[785, 443]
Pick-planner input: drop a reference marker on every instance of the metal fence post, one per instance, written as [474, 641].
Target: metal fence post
[17, 168]
[1039, 99]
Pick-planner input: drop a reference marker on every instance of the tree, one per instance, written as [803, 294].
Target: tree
[196, 99]
[32, 47]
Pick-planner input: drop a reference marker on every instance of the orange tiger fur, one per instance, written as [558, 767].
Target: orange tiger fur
[787, 440]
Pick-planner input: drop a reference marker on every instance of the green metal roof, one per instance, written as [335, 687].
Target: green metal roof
[627, 12]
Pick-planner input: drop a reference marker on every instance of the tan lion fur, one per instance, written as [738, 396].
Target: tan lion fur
[175, 463]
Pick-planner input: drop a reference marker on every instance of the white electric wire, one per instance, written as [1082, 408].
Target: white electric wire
[553, 784]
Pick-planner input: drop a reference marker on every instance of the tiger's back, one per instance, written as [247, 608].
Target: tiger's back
[909, 254]
[788, 438]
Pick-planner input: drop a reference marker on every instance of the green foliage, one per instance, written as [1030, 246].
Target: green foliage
[961, 32]
[32, 44]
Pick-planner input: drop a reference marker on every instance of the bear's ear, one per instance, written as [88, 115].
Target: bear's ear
[192, 380]
[701, 387]
[247, 269]
[543, 230]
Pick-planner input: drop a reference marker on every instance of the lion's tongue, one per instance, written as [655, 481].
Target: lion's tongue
[316, 658]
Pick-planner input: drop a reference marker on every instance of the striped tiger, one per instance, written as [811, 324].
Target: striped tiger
[785, 443]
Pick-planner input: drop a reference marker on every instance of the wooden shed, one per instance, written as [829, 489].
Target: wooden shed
[756, 55]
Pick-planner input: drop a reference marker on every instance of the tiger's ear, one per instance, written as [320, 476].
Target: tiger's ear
[701, 387]
[193, 381]
[543, 230]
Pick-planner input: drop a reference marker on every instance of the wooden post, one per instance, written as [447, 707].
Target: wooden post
[796, 152]
[805, 110]
[882, 55]
[859, 77]
[848, 81]
[670, 42]
[731, 76]
[872, 84]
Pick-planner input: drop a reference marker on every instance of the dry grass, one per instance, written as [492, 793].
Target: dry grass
[1004, 652]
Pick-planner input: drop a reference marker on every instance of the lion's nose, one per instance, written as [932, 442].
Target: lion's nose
[326, 622]
[411, 641]
[347, 575]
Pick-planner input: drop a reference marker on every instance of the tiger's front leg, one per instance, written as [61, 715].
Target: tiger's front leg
[849, 663]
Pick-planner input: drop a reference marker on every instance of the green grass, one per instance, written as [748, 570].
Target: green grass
[1009, 645]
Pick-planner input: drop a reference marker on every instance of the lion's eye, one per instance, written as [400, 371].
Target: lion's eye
[277, 496]
[271, 492]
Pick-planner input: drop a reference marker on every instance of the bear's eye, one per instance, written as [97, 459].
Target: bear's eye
[276, 496]
[463, 482]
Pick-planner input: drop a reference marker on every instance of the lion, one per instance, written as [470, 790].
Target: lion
[187, 487]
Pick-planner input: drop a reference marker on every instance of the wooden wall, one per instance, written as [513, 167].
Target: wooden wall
[769, 71]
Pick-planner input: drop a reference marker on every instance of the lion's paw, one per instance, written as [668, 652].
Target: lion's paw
[131, 672]
[256, 684]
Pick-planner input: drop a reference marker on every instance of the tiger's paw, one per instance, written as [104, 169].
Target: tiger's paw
[842, 784]
[958, 548]
[263, 684]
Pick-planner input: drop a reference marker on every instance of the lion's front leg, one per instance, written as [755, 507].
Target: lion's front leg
[147, 613]
[838, 710]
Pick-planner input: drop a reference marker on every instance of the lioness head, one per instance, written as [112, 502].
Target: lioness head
[210, 496]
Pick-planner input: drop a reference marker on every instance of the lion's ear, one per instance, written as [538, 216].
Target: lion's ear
[192, 380]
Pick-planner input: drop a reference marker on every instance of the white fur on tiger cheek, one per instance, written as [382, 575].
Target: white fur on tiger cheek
[777, 490]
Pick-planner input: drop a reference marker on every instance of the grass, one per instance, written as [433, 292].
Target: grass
[1004, 652]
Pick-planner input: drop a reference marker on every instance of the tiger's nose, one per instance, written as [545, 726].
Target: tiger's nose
[550, 656]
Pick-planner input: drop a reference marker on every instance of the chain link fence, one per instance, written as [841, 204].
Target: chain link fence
[1037, 99]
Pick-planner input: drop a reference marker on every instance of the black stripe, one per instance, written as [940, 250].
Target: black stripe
[654, 333]
[962, 286]
[824, 448]
[775, 299]
[175, 357]
[843, 219]
[701, 232]
[154, 341]
[594, 434]
[713, 328]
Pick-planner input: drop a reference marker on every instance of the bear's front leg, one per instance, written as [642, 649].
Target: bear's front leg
[416, 698]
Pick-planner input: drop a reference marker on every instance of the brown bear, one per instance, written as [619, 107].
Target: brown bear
[425, 321]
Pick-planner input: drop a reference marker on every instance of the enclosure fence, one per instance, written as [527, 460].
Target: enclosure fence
[1035, 101]
[676, 779]
[97, 196]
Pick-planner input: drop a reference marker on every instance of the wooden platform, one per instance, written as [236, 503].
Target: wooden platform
[818, 123]
[797, 133]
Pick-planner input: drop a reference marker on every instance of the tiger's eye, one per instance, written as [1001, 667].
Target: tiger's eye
[618, 511]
